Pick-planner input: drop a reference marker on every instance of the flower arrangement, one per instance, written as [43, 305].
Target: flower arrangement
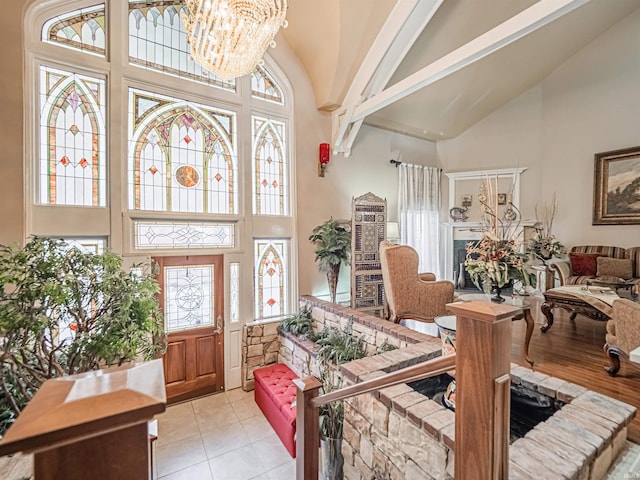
[496, 258]
[543, 245]
[495, 261]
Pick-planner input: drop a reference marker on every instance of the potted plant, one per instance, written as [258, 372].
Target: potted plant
[63, 312]
[333, 248]
[336, 347]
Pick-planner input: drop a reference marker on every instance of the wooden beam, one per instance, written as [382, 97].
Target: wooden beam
[399, 32]
[527, 21]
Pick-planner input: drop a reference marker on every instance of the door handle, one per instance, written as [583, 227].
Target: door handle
[218, 329]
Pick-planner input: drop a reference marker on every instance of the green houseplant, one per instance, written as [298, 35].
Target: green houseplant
[63, 312]
[333, 248]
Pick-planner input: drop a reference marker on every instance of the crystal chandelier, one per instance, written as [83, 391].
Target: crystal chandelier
[229, 37]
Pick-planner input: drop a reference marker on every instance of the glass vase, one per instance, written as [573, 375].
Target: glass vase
[332, 460]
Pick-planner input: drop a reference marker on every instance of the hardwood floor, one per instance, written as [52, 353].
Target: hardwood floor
[572, 351]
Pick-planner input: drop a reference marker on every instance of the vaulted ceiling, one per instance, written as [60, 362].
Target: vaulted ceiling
[433, 68]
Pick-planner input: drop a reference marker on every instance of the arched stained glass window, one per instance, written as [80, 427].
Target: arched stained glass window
[158, 41]
[264, 86]
[270, 176]
[72, 139]
[271, 277]
[81, 29]
[182, 156]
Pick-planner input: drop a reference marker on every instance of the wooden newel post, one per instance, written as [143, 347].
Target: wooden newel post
[307, 428]
[91, 425]
[483, 349]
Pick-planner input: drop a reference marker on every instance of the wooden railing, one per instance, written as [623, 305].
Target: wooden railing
[483, 338]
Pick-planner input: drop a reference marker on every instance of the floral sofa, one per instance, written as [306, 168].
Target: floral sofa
[604, 263]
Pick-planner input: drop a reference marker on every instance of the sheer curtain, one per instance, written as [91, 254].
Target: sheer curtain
[419, 209]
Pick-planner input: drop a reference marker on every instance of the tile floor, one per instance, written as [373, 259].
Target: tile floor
[219, 437]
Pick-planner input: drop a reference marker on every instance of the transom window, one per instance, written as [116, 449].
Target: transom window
[183, 158]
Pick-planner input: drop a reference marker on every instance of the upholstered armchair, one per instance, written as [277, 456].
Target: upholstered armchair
[409, 294]
[623, 333]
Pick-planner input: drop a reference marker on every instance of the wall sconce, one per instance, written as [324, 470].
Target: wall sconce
[323, 158]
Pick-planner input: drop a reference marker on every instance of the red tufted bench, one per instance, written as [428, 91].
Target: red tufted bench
[275, 394]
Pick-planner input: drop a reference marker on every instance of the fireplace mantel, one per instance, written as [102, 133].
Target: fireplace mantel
[467, 183]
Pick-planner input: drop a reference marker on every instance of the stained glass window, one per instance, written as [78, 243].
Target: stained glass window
[270, 175]
[264, 86]
[175, 235]
[182, 156]
[189, 297]
[87, 245]
[72, 139]
[234, 291]
[158, 41]
[271, 284]
[81, 29]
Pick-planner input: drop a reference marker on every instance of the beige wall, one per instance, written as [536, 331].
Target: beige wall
[12, 211]
[589, 104]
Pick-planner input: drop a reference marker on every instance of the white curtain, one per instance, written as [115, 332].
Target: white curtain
[419, 212]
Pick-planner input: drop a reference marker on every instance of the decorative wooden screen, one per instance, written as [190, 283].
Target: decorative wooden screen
[369, 223]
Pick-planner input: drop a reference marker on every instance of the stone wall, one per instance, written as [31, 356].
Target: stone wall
[399, 433]
[260, 345]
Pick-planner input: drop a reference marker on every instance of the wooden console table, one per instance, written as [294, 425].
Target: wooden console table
[91, 425]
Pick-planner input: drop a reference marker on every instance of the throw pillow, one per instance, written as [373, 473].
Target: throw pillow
[584, 264]
[614, 267]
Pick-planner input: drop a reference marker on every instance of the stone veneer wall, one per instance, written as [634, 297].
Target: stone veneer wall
[398, 433]
[261, 344]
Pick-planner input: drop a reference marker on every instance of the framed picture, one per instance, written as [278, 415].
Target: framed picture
[616, 189]
[502, 199]
[466, 200]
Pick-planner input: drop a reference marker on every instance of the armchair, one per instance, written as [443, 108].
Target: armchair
[409, 294]
[623, 333]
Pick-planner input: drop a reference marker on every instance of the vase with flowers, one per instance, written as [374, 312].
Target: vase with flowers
[543, 245]
[496, 258]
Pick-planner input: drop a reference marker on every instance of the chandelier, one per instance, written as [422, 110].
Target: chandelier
[229, 37]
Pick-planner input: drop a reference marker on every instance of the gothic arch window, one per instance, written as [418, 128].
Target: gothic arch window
[271, 287]
[264, 86]
[270, 175]
[72, 149]
[158, 41]
[82, 29]
[183, 156]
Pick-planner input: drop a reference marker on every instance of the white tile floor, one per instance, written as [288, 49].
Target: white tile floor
[219, 437]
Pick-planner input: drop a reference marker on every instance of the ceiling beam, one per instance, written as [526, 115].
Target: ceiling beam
[399, 32]
[520, 25]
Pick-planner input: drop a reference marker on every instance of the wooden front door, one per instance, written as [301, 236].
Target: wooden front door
[192, 299]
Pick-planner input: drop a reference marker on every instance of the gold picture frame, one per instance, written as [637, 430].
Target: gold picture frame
[616, 189]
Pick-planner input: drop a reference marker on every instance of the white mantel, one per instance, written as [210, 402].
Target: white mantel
[470, 230]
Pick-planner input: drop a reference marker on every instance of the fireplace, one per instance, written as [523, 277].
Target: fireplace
[462, 282]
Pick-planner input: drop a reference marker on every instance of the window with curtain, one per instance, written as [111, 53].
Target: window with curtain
[419, 214]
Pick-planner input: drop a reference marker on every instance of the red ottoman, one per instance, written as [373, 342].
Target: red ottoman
[275, 394]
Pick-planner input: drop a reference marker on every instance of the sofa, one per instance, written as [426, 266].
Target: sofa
[606, 264]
